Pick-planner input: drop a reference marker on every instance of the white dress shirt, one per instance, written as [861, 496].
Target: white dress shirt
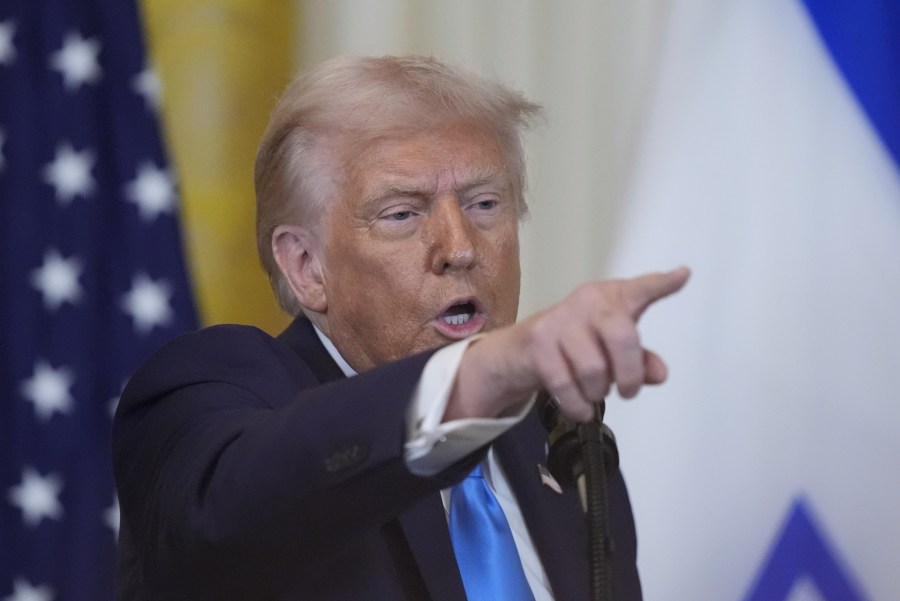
[432, 446]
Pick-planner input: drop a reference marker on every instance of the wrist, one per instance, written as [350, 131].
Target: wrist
[484, 387]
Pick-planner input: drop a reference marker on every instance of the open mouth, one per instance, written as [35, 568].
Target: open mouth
[458, 314]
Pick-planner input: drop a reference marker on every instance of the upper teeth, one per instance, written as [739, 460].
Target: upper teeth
[457, 320]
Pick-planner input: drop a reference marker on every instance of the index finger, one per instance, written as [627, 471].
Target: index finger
[643, 291]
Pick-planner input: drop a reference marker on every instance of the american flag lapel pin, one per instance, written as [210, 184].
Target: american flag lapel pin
[548, 480]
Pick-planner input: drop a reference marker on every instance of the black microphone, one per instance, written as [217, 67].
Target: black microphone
[567, 439]
[585, 455]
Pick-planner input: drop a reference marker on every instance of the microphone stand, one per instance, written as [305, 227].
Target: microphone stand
[585, 455]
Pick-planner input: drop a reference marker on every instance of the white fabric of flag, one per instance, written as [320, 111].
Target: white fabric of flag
[767, 468]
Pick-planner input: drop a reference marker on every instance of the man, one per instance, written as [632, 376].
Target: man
[389, 194]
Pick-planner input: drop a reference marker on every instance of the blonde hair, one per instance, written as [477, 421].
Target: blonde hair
[345, 103]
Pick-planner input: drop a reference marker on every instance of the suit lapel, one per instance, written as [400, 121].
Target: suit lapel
[301, 337]
[425, 526]
[556, 522]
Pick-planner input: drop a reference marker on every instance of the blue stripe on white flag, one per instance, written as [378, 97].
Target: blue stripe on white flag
[863, 38]
[802, 552]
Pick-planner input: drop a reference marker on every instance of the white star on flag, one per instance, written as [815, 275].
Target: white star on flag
[70, 173]
[147, 84]
[7, 50]
[37, 496]
[57, 279]
[148, 303]
[48, 390]
[153, 191]
[24, 591]
[77, 61]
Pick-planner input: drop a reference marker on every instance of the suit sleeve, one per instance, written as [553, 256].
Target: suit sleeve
[227, 451]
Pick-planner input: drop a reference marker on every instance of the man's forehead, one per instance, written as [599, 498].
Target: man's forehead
[464, 175]
[454, 156]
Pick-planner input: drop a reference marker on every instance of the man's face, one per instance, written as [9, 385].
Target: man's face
[423, 247]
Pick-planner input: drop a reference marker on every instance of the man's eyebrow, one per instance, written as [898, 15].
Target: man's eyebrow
[395, 189]
[481, 177]
[415, 186]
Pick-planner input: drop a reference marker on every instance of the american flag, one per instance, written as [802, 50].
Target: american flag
[92, 280]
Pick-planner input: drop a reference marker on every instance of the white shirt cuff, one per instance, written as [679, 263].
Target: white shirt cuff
[432, 446]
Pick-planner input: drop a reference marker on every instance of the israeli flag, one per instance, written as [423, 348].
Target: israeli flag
[768, 468]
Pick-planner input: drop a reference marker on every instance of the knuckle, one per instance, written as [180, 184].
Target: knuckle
[597, 390]
[559, 383]
[541, 331]
[549, 374]
[591, 294]
[594, 370]
[625, 338]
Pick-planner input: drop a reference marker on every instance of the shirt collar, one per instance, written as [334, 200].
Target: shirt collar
[332, 350]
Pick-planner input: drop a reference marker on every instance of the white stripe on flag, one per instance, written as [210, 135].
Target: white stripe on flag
[760, 172]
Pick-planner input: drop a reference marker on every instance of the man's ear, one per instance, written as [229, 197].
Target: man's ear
[298, 254]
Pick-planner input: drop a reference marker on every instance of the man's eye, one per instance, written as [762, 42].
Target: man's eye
[400, 216]
[486, 205]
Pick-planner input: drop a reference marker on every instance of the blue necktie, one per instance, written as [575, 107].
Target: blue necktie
[483, 543]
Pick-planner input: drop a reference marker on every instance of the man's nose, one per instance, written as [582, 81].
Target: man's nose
[452, 237]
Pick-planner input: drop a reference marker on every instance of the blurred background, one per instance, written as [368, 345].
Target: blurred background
[757, 141]
[222, 65]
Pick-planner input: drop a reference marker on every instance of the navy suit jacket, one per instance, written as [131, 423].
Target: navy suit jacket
[249, 468]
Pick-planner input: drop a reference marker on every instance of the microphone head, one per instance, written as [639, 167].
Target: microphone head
[566, 439]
